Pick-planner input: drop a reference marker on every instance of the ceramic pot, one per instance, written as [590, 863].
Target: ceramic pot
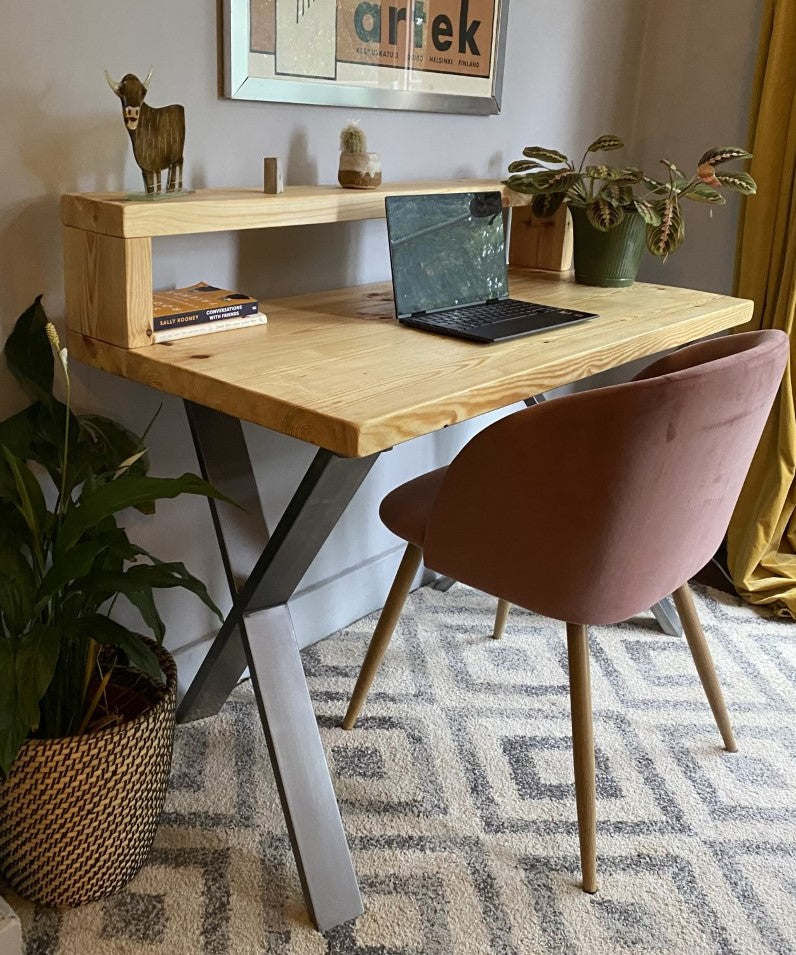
[78, 815]
[359, 170]
[610, 259]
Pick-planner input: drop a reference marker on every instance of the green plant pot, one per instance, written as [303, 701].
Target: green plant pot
[610, 259]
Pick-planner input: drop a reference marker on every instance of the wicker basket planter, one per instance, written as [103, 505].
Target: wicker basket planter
[78, 815]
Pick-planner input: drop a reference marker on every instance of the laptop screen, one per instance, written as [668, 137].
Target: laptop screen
[446, 250]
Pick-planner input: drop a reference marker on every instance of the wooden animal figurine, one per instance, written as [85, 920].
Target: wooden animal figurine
[157, 134]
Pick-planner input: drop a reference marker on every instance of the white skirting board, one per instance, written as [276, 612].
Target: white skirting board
[10, 931]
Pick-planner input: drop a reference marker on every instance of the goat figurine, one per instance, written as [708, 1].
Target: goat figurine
[157, 134]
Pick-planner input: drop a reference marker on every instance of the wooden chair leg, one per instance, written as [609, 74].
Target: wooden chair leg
[503, 608]
[583, 751]
[700, 651]
[383, 632]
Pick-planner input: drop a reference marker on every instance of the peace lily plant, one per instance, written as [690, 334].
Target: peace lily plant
[610, 193]
[64, 559]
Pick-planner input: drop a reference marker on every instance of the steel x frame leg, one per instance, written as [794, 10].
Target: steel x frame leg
[258, 633]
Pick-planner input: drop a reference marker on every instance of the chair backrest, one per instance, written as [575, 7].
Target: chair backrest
[592, 507]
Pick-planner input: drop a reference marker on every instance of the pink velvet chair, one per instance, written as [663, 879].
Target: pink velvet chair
[591, 508]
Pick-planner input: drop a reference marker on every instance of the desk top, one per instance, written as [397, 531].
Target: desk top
[336, 370]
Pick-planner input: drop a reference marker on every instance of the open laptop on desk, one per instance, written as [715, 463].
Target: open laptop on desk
[448, 257]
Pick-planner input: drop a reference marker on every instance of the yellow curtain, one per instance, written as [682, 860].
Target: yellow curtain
[761, 541]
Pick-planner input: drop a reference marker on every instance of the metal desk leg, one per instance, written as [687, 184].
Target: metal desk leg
[258, 631]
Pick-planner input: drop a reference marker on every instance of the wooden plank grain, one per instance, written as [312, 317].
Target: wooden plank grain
[222, 210]
[335, 368]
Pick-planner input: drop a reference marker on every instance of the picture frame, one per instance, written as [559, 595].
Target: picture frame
[424, 55]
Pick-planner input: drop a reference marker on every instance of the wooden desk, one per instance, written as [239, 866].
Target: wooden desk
[336, 370]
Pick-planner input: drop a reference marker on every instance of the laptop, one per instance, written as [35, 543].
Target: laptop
[448, 258]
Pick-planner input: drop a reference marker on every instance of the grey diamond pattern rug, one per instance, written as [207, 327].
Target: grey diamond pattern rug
[456, 793]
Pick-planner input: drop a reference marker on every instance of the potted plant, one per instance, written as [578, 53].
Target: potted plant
[616, 210]
[358, 168]
[86, 716]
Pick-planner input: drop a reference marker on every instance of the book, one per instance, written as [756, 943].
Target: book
[205, 328]
[198, 304]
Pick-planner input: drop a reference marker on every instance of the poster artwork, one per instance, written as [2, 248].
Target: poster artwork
[324, 39]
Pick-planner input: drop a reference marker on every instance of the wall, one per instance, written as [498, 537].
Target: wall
[574, 70]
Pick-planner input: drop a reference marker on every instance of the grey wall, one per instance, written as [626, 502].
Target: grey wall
[574, 69]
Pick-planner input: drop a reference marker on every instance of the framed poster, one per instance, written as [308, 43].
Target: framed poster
[432, 55]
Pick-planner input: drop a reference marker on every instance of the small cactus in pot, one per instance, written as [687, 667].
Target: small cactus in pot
[358, 169]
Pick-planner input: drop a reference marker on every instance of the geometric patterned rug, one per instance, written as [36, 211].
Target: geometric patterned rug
[456, 793]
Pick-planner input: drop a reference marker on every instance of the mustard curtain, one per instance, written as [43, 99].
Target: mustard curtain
[761, 541]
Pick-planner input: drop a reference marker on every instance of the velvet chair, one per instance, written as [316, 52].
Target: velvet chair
[591, 508]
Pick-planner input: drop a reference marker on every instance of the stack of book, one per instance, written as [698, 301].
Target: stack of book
[201, 309]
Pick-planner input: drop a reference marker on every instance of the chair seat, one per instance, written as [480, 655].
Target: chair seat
[405, 511]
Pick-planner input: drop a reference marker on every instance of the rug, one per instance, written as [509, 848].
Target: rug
[456, 793]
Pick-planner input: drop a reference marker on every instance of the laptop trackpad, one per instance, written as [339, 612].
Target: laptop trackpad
[514, 327]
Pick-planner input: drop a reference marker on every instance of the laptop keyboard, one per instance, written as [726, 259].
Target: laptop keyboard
[478, 316]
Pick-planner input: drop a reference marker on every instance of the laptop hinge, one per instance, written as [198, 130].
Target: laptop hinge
[491, 301]
[419, 314]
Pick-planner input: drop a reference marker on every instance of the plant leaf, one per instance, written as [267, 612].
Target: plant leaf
[129, 490]
[547, 205]
[110, 633]
[603, 214]
[702, 192]
[601, 172]
[739, 181]
[605, 142]
[664, 238]
[647, 211]
[29, 354]
[13, 728]
[720, 154]
[522, 165]
[547, 155]
[36, 659]
[30, 503]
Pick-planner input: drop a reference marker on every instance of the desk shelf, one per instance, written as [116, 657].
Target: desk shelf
[108, 240]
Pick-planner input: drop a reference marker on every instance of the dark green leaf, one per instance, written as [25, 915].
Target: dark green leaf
[702, 192]
[127, 491]
[110, 633]
[29, 354]
[720, 154]
[739, 181]
[647, 212]
[30, 499]
[546, 155]
[522, 165]
[604, 215]
[36, 658]
[664, 238]
[70, 566]
[604, 143]
[601, 172]
[545, 206]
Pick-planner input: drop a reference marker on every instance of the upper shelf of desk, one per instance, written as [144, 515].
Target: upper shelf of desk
[224, 210]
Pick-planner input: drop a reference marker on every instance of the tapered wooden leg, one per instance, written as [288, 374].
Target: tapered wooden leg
[383, 632]
[503, 608]
[583, 751]
[700, 651]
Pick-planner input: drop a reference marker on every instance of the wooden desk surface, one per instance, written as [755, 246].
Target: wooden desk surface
[335, 369]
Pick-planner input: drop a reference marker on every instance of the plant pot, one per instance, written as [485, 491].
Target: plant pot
[610, 259]
[359, 170]
[78, 815]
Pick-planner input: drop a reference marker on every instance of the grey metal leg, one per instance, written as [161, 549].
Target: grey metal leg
[258, 632]
[667, 617]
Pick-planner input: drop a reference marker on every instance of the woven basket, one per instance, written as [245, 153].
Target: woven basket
[78, 815]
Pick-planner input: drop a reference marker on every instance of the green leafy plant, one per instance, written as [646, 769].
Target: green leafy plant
[609, 193]
[64, 559]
